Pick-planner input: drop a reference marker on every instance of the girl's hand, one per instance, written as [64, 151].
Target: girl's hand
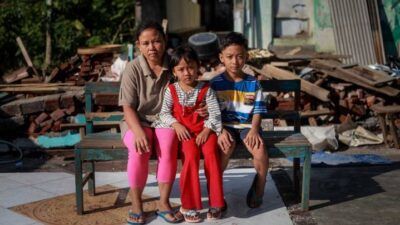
[203, 136]
[141, 143]
[253, 139]
[181, 131]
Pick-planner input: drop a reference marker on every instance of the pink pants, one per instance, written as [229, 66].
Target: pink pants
[164, 142]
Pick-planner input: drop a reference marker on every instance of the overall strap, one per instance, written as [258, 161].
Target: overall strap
[202, 93]
[174, 94]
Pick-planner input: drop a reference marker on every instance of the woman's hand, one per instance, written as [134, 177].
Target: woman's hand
[253, 139]
[203, 136]
[141, 142]
[225, 141]
[181, 131]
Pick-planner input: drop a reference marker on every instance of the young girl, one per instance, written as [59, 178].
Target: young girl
[181, 100]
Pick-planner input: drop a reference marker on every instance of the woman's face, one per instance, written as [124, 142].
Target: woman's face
[186, 72]
[151, 44]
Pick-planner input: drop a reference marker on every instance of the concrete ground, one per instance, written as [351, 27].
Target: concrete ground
[347, 195]
[22, 188]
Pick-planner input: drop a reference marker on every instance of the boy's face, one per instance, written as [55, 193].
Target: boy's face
[186, 72]
[233, 57]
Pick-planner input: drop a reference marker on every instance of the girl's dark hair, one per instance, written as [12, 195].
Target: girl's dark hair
[183, 52]
[150, 25]
[233, 38]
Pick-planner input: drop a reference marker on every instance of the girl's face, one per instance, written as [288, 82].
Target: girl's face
[151, 44]
[186, 72]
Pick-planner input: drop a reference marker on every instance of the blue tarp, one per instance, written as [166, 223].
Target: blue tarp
[334, 159]
[61, 141]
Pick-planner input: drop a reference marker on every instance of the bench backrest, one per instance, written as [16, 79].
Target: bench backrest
[93, 88]
[285, 86]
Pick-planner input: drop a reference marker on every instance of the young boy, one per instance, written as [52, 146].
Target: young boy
[242, 105]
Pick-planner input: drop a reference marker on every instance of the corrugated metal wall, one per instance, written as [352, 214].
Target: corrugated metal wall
[352, 30]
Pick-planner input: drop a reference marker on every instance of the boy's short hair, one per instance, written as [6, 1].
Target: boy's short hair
[233, 38]
[183, 52]
[150, 25]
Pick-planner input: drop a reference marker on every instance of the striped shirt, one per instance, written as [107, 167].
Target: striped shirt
[239, 101]
[166, 118]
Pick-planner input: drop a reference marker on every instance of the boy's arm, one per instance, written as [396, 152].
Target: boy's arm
[253, 138]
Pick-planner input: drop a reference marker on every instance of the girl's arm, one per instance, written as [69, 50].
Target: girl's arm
[165, 115]
[214, 121]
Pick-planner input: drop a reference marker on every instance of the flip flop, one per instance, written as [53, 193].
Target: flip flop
[252, 200]
[137, 217]
[191, 216]
[178, 215]
[163, 215]
[214, 213]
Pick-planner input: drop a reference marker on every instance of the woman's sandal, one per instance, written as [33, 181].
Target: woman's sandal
[191, 216]
[252, 200]
[135, 218]
[214, 213]
[163, 215]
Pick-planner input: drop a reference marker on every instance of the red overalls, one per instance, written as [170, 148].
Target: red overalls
[189, 179]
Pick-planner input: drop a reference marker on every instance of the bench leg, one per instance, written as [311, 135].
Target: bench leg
[91, 182]
[78, 182]
[296, 175]
[305, 190]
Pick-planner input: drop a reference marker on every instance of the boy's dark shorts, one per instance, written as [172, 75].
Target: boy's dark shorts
[239, 134]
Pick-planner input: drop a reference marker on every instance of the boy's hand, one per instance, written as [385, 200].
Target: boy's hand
[203, 136]
[181, 131]
[141, 143]
[253, 139]
[203, 110]
[225, 140]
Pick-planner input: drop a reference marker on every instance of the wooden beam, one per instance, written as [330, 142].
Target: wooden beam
[307, 87]
[16, 75]
[26, 56]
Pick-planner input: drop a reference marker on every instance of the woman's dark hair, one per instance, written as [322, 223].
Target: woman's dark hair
[183, 52]
[233, 38]
[150, 25]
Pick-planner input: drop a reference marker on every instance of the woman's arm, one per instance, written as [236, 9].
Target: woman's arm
[141, 142]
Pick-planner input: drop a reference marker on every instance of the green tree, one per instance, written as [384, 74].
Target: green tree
[74, 24]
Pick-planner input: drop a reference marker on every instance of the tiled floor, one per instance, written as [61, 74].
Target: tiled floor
[21, 188]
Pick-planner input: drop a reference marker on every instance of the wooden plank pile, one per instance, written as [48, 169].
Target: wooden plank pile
[333, 91]
[38, 104]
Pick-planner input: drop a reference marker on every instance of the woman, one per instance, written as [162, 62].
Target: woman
[142, 87]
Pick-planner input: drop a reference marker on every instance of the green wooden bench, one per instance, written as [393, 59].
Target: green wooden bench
[109, 146]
